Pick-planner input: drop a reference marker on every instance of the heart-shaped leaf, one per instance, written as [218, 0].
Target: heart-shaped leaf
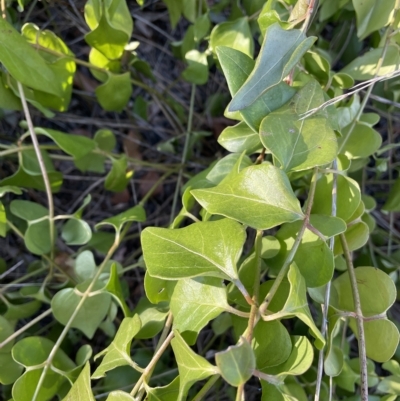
[259, 196]
[201, 249]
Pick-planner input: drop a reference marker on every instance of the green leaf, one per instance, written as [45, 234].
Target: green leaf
[271, 392]
[235, 34]
[361, 141]
[28, 210]
[237, 67]
[155, 288]
[10, 370]
[90, 314]
[85, 265]
[365, 66]
[201, 249]
[6, 330]
[392, 203]
[8, 99]
[175, 8]
[297, 305]
[329, 226]
[279, 53]
[369, 281]
[271, 343]
[390, 385]
[197, 71]
[115, 93]
[300, 144]
[192, 367]
[201, 27]
[224, 167]
[194, 302]
[259, 196]
[3, 220]
[24, 63]
[372, 15]
[105, 139]
[60, 61]
[77, 146]
[136, 213]
[119, 351]
[114, 288]
[165, 393]
[348, 196]
[240, 138]
[81, 389]
[118, 177]
[76, 232]
[111, 25]
[119, 395]
[152, 318]
[10, 189]
[356, 235]
[236, 363]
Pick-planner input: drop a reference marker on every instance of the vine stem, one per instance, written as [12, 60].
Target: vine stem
[185, 151]
[324, 325]
[289, 259]
[152, 363]
[63, 334]
[359, 319]
[42, 166]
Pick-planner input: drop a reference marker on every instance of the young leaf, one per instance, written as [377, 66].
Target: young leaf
[81, 389]
[194, 302]
[279, 53]
[76, 232]
[201, 249]
[237, 363]
[192, 367]
[197, 71]
[297, 305]
[24, 63]
[118, 177]
[136, 213]
[258, 196]
[240, 138]
[114, 288]
[118, 353]
[300, 144]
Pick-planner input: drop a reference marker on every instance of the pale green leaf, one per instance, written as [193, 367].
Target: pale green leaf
[76, 232]
[192, 367]
[118, 177]
[113, 286]
[240, 138]
[197, 71]
[81, 389]
[136, 213]
[119, 395]
[115, 93]
[259, 196]
[280, 52]
[118, 352]
[152, 318]
[6, 330]
[237, 363]
[328, 226]
[201, 249]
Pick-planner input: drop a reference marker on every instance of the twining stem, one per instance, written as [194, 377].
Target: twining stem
[360, 320]
[289, 259]
[85, 295]
[184, 153]
[204, 390]
[324, 325]
[152, 363]
[26, 327]
[42, 166]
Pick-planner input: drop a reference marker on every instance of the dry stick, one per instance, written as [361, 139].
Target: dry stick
[359, 319]
[289, 259]
[324, 325]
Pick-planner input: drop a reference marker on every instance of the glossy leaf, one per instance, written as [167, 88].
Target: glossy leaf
[297, 305]
[300, 144]
[24, 63]
[287, 47]
[259, 196]
[81, 389]
[237, 363]
[118, 352]
[192, 367]
[90, 314]
[115, 93]
[201, 249]
[235, 34]
[194, 302]
[240, 138]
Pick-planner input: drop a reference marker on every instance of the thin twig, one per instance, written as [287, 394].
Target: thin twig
[359, 319]
[206, 388]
